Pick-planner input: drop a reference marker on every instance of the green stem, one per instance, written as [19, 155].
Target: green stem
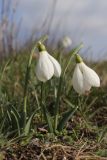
[41, 92]
[57, 104]
[27, 76]
[76, 50]
[41, 100]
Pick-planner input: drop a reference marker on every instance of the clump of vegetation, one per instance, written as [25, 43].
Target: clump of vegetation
[43, 112]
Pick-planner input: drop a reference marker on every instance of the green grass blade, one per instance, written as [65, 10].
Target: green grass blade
[17, 119]
[102, 134]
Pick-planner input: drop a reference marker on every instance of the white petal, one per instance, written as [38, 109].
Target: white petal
[44, 68]
[90, 76]
[78, 80]
[56, 65]
[86, 85]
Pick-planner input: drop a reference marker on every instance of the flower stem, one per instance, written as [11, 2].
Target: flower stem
[27, 76]
[60, 85]
[76, 50]
[57, 104]
[41, 100]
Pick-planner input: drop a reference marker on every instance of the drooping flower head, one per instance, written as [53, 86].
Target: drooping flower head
[84, 77]
[66, 42]
[47, 66]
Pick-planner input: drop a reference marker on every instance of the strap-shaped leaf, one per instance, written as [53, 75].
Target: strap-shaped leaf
[16, 116]
[28, 124]
[66, 116]
[48, 118]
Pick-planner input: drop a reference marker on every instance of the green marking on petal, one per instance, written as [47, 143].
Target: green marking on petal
[78, 58]
[41, 47]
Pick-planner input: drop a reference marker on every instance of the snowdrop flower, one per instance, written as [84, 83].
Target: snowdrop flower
[47, 66]
[84, 77]
[66, 42]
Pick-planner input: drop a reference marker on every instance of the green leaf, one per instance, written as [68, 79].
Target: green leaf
[66, 116]
[2, 124]
[17, 119]
[28, 124]
[102, 134]
[48, 119]
[69, 103]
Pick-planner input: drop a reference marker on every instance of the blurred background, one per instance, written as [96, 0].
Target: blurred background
[24, 21]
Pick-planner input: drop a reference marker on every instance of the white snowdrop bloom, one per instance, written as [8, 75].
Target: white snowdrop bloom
[56, 65]
[66, 42]
[47, 66]
[84, 77]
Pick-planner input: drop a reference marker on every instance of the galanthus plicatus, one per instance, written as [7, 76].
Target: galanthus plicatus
[84, 77]
[66, 42]
[47, 66]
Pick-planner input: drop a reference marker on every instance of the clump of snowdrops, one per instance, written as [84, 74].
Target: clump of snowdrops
[46, 69]
[52, 81]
